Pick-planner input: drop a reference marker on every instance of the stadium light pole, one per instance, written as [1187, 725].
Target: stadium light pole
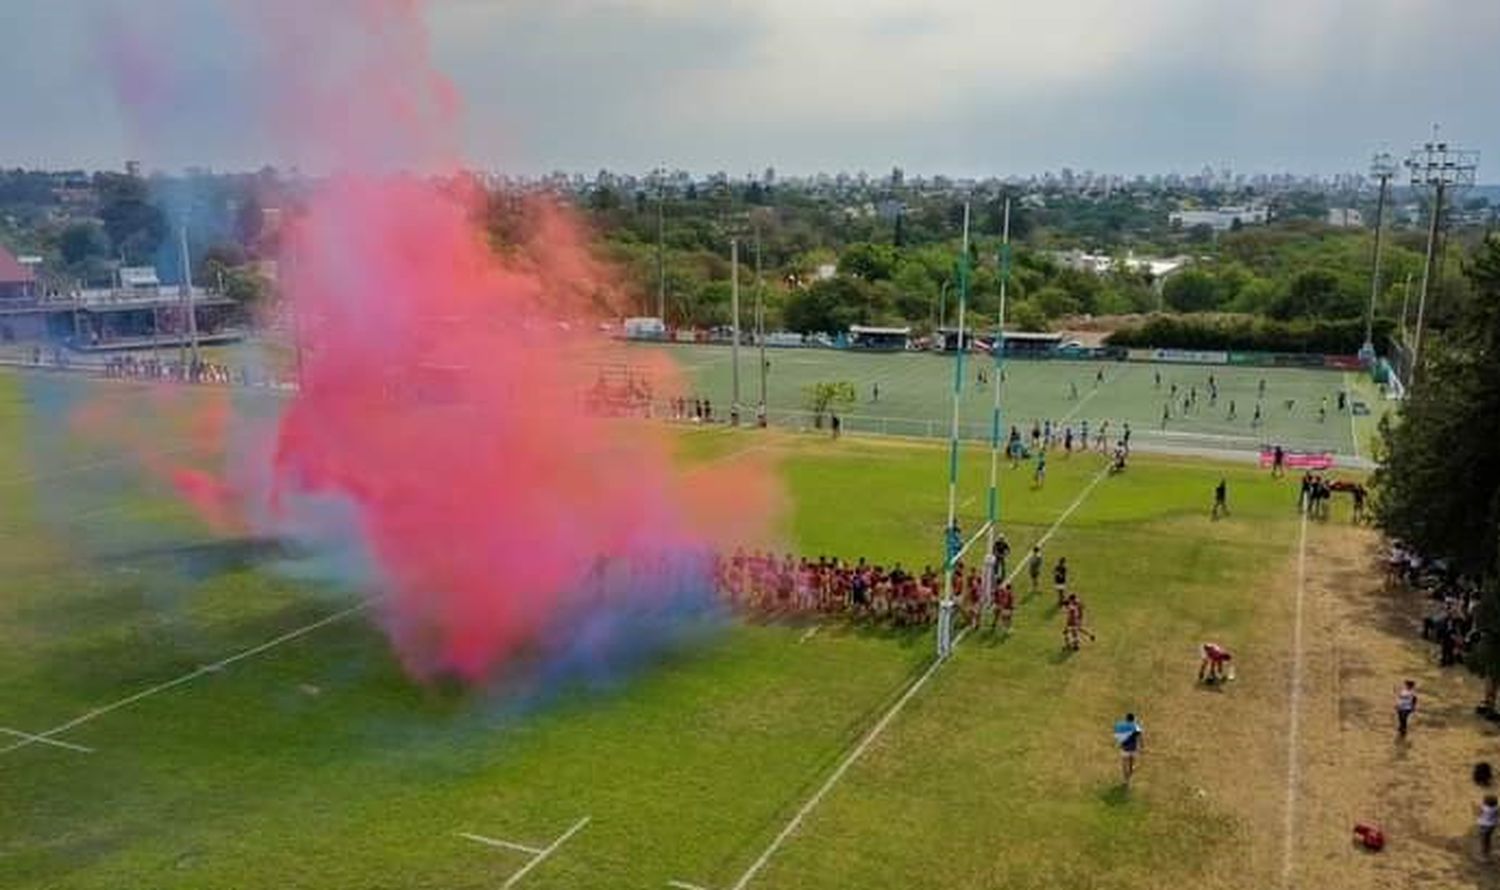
[1440, 167]
[661, 267]
[952, 538]
[761, 416]
[734, 329]
[1383, 168]
[991, 563]
[187, 296]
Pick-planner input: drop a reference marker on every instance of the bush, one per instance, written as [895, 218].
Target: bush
[1247, 334]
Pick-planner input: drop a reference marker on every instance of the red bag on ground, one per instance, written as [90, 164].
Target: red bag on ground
[1369, 836]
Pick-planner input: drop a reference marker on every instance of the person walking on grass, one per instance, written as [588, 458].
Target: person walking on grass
[1406, 705]
[1489, 816]
[1060, 580]
[1040, 477]
[1128, 738]
[1034, 567]
[1221, 499]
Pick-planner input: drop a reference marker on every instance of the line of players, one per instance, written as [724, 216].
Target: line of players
[1189, 401]
[763, 583]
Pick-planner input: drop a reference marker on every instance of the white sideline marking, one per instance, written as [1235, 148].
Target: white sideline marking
[1294, 706]
[46, 737]
[885, 720]
[45, 741]
[684, 885]
[1349, 406]
[810, 633]
[178, 681]
[542, 854]
[504, 845]
[40, 476]
[1094, 392]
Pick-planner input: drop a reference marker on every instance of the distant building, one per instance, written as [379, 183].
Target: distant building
[17, 281]
[1220, 219]
[1100, 264]
[1345, 218]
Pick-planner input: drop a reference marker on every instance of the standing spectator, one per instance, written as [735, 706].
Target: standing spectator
[1406, 705]
[1489, 816]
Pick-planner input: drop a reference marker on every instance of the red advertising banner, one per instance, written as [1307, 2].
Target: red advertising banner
[1299, 460]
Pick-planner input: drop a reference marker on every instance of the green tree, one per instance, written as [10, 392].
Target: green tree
[822, 397]
[872, 262]
[1438, 484]
[1192, 290]
[1314, 293]
[81, 242]
[1023, 315]
[828, 306]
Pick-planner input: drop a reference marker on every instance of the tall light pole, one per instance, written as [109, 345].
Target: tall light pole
[760, 331]
[1382, 167]
[661, 267]
[734, 328]
[1438, 166]
[187, 296]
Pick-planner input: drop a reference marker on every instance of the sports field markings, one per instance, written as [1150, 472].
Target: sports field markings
[44, 476]
[1349, 406]
[538, 854]
[6, 730]
[26, 739]
[885, 720]
[1294, 706]
[217, 666]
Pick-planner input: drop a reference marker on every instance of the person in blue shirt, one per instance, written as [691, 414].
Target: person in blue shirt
[1128, 738]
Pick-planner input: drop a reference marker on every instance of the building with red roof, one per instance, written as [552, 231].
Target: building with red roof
[17, 282]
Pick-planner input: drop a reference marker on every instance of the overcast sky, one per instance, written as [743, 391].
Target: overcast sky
[955, 86]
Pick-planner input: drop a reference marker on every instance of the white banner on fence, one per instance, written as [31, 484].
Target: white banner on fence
[1190, 356]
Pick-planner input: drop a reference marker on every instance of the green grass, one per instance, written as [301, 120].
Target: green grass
[317, 764]
[915, 396]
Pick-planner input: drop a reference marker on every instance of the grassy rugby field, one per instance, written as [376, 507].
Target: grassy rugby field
[230, 727]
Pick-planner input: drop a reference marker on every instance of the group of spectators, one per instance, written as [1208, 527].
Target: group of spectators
[622, 398]
[1316, 493]
[199, 371]
[1449, 621]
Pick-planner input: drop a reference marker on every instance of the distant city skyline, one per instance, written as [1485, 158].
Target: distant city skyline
[962, 89]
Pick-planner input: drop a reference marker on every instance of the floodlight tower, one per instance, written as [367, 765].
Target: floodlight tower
[1382, 167]
[1440, 167]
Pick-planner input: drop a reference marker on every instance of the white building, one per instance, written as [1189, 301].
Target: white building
[1220, 219]
[1100, 263]
[1345, 218]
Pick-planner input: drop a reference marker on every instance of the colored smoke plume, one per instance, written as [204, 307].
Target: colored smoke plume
[438, 438]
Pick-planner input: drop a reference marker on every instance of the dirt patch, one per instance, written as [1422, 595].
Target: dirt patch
[1360, 641]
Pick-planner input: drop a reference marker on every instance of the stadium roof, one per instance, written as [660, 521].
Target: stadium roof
[11, 270]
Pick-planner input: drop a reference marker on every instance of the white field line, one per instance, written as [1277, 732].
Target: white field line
[45, 741]
[100, 711]
[1294, 708]
[809, 633]
[544, 853]
[684, 885]
[64, 472]
[1349, 406]
[496, 842]
[178, 681]
[1086, 399]
[895, 709]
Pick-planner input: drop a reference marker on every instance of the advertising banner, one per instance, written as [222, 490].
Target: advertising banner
[1299, 460]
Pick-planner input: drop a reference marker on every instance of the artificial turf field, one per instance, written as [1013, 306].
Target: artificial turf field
[249, 730]
[915, 397]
